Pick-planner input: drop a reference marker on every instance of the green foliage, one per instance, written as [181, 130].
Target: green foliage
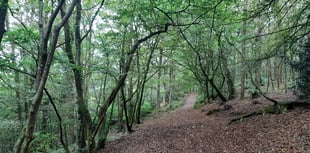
[44, 142]
[171, 106]
[8, 135]
[7, 102]
[302, 67]
[175, 104]
[58, 151]
[22, 36]
[253, 91]
[146, 109]
[5, 113]
[272, 110]
[185, 82]
[186, 64]
[200, 101]
[278, 109]
[115, 136]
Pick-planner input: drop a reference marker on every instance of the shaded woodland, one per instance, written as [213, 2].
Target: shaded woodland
[73, 74]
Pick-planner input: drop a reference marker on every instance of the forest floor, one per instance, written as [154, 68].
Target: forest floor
[193, 131]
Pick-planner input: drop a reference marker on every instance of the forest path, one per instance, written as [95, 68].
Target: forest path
[192, 131]
[189, 101]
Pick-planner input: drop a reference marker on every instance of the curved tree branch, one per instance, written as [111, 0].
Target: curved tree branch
[92, 21]
[59, 119]
[120, 83]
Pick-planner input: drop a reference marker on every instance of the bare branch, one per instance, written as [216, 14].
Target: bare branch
[18, 70]
[120, 83]
[59, 119]
[92, 21]
[278, 31]
[51, 22]
[23, 25]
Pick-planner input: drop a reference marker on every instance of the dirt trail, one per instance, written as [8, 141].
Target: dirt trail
[189, 101]
[192, 131]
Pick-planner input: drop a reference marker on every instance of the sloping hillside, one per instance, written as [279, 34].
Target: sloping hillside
[193, 131]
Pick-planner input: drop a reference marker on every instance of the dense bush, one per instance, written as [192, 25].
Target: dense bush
[146, 109]
[44, 142]
[200, 100]
[302, 67]
[8, 135]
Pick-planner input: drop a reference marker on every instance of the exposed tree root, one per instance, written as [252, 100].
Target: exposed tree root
[277, 109]
[225, 108]
[260, 112]
[292, 105]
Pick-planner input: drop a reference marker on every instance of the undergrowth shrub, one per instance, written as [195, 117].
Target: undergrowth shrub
[200, 101]
[146, 109]
[44, 142]
[175, 104]
[8, 135]
[302, 67]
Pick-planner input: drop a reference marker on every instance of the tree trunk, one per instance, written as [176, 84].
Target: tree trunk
[85, 119]
[23, 143]
[4, 4]
[222, 97]
[120, 123]
[127, 117]
[103, 133]
[229, 80]
[44, 122]
[243, 52]
[128, 100]
[159, 77]
[84, 116]
[226, 72]
[144, 80]
[18, 99]
[269, 75]
[27, 85]
[120, 83]
[171, 80]
[17, 87]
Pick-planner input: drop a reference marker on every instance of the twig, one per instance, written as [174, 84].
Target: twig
[59, 119]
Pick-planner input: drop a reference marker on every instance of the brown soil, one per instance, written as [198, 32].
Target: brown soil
[192, 131]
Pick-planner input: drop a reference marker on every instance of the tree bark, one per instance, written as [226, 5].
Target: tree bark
[171, 81]
[243, 52]
[144, 80]
[229, 80]
[124, 103]
[158, 79]
[269, 76]
[226, 71]
[84, 116]
[120, 83]
[4, 4]
[104, 131]
[120, 123]
[17, 83]
[128, 100]
[23, 143]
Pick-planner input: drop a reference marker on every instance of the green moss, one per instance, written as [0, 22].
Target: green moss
[271, 110]
[278, 109]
